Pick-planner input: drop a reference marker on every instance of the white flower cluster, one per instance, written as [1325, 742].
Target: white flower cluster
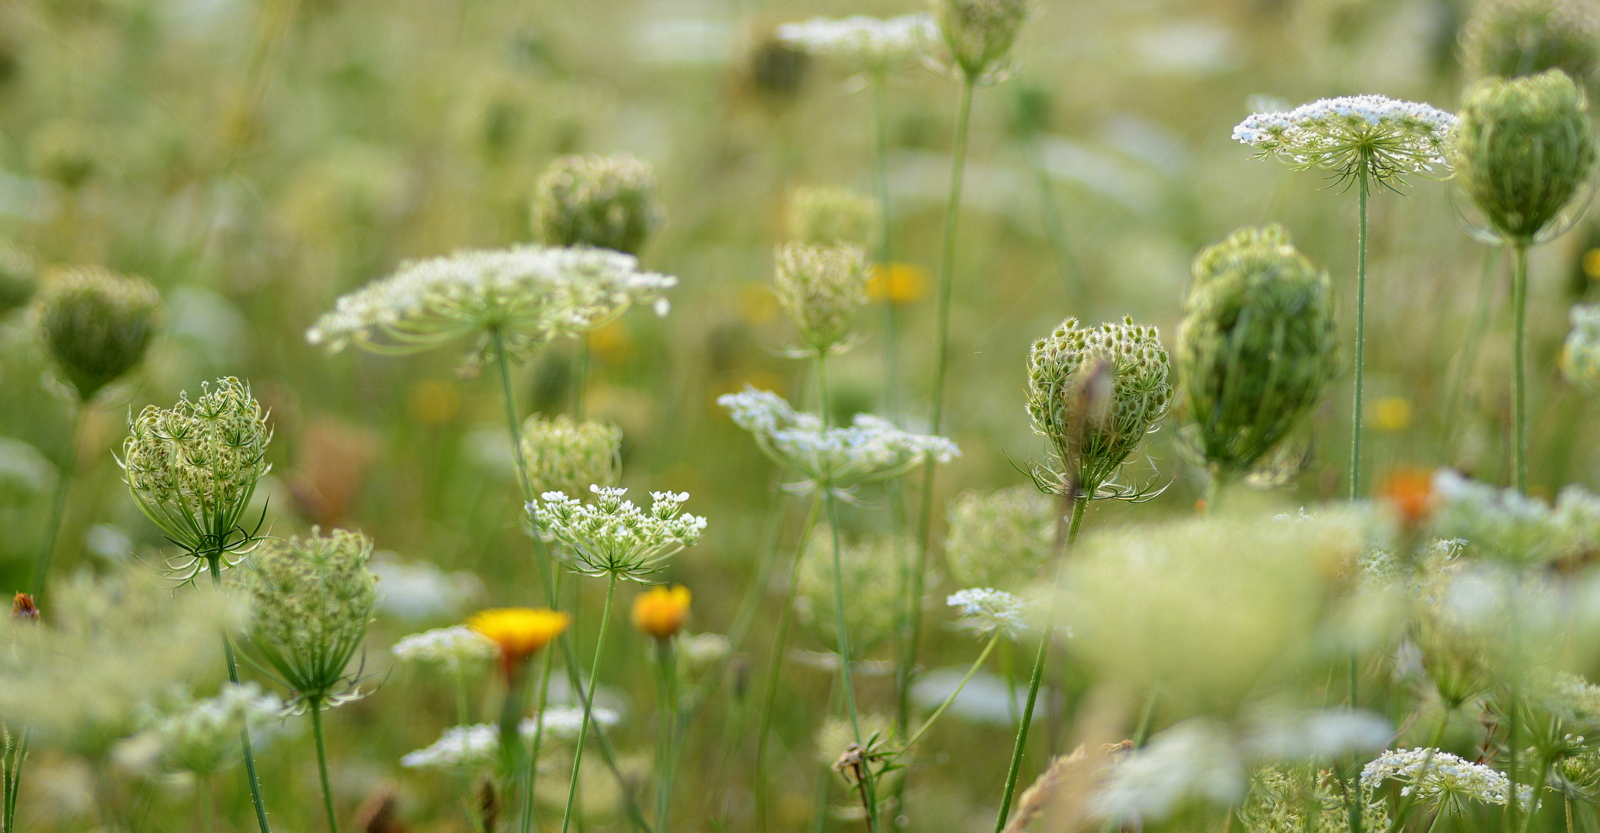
[987, 611]
[611, 536]
[1567, 696]
[1580, 356]
[452, 646]
[1388, 138]
[528, 294]
[203, 738]
[870, 448]
[864, 43]
[1504, 524]
[1437, 777]
[478, 744]
[416, 591]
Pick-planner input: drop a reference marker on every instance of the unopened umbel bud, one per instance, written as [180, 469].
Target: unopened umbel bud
[608, 202]
[96, 324]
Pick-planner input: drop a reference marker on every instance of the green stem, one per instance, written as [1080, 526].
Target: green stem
[1410, 799]
[322, 766]
[769, 697]
[1215, 484]
[1474, 337]
[1079, 504]
[976, 664]
[1519, 346]
[508, 399]
[244, 733]
[15, 754]
[58, 505]
[880, 171]
[1361, 339]
[582, 377]
[207, 812]
[538, 742]
[588, 703]
[665, 685]
[843, 638]
[1539, 777]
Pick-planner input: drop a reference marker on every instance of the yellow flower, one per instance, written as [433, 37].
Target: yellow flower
[660, 611]
[1391, 414]
[519, 631]
[897, 283]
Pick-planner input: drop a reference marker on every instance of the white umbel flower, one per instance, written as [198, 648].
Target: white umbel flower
[478, 744]
[203, 738]
[452, 646]
[612, 536]
[1440, 778]
[987, 611]
[866, 44]
[1388, 138]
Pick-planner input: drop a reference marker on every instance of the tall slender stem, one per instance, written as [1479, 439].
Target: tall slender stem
[1474, 337]
[588, 703]
[538, 742]
[880, 171]
[667, 732]
[244, 732]
[1079, 504]
[1361, 339]
[947, 259]
[1519, 347]
[322, 766]
[58, 505]
[207, 812]
[769, 696]
[926, 724]
[580, 383]
[843, 639]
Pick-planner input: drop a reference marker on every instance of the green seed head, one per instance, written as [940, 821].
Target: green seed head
[313, 598]
[1094, 392]
[1257, 346]
[978, 34]
[19, 276]
[1514, 38]
[831, 216]
[1522, 148]
[604, 201]
[820, 287]
[567, 456]
[95, 324]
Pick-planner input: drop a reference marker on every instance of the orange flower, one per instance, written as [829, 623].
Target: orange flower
[1409, 491]
[660, 611]
[897, 283]
[519, 631]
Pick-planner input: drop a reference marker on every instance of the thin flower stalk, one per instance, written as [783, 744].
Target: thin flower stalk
[583, 728]
[780, 642]
[58, 503]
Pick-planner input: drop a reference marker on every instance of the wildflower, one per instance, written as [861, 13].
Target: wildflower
[820, 287]
[1281, 798]
[869, 449]
[475, 745]
[1438, 778]
[19, 276]
[1000, 539]
[864, 44]
[202, 738]
[313, 601]
[976, 36]
[1580, 356]
[897, 283]
[1504, 524]
[986, 611]
[1256, 348]
[95, 325]
[23, 609]
[563, 722]
[525, 295]
[1409, 491]
[659, 612]
[608, 202]
[871, 569]
[1391, 414]
[1522, 149]
[611, 536]
[1571, 699]
[416, 591]
[1515, 38]
[832, 217]
[453, 646]
[566, 456]
[1194, 760]
[1384, 138]
[702, 649]
[1094, 423]
[193, 468]
[518, 632]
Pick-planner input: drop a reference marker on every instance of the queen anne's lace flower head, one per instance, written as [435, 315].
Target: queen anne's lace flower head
[452, 646]
[987, 611]
[1441, 779]
[864, 44]
[478, 744]
[1580, 358]
[820, 287]
[612, 536]
[604, 201]
[202, 738]
[1385, 138]
[525, 294]
[869, 449]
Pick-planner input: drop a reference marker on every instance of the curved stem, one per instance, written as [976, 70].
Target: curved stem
[770, 695]
[976, 664]
[322, 766]
[1519, 347]
[58, 505]
[244, 732]
[588, 704]
[1361, 340]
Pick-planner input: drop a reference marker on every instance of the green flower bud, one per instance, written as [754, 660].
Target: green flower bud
[567, 456]
[19, 276]
[1000, 540]
[871, 576]
[1514, 38]
[1522, 148]
[66, 153]
[820, 287]
[1257, 346]
[831, 216]
[95, 324]
[1580, 358]
[1094, 393]
[978, 34]
[313, 599]
[604, 201]
[193, 469]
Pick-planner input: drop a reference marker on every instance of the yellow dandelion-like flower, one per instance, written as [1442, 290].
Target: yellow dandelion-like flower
[1391, 414]
[659, 612]
[897, 283]
[519, 631]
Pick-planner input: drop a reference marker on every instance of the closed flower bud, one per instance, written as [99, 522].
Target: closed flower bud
[604, 201]
[313, 599]
[19, 276]
[831, 216]
[1256, 348]
[567, 456]
[820, 287]
[1522, 149]
[95, 324]
[660, 611]
[978, 34]
[1094, 392]
[1513, 38]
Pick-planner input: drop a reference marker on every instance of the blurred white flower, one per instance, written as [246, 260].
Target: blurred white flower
[863, 44]
[452, 646]
[415, 591]
[986, 611]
